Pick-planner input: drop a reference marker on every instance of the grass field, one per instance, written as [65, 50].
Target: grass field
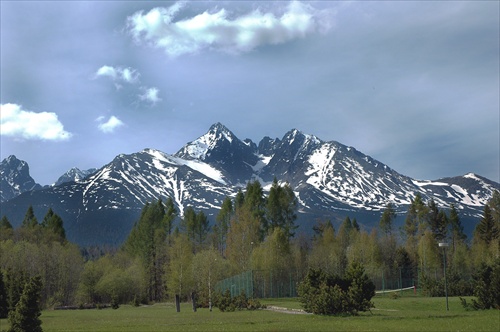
[407, 313]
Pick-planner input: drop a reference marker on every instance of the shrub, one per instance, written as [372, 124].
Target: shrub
[486, 283]
[325, 294]
[225, 303]
[115, 304]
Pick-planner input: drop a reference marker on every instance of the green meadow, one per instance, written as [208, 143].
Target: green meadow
[407, 313]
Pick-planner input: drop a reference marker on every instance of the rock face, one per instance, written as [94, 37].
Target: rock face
[15, 178]
[330, 180]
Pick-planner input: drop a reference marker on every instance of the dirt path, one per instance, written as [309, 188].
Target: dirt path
[287, 311]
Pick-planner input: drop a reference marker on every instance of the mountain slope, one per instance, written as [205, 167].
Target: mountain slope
[330, 180]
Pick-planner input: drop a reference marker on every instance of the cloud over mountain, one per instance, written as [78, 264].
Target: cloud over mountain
[219, 31]
[19, 123]
[110, 125]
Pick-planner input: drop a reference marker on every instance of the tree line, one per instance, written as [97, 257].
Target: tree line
[162, 258]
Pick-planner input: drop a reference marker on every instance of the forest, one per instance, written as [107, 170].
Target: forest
[162, 258]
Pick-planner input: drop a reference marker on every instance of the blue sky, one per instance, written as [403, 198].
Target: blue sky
[413, 84]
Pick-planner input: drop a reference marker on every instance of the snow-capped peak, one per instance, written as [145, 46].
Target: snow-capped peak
[201, 147]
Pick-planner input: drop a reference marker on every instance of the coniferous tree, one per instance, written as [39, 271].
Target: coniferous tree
[26, 315]
[222, 225]
[239, 200]
[355, 225]
[145, 241]
[6, 230]
[170, 215]
[415, 225]
[202, 227]
[456, 227]
[5, 223]
[188, 223]
[387, 219]
[281, 208]
[255, 203]
[4, 304]
[487, 230]
[54, 223]
[29, 220]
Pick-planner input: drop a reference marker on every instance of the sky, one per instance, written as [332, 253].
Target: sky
[413, 84]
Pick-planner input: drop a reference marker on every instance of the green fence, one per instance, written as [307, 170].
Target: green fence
[283, 283]
[262, 284]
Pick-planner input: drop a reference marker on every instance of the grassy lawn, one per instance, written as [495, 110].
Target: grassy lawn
[407, 313]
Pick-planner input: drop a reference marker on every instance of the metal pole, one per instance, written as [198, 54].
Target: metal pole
[444, 245]
[445, 283]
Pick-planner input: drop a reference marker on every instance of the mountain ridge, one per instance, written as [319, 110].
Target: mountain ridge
[330, 180]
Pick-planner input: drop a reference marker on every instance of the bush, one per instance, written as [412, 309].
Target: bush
[115, 304]
[225, 303]
[325, 294]
[457, 286]
[486, 283]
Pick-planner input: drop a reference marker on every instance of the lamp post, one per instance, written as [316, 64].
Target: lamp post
[444, 245]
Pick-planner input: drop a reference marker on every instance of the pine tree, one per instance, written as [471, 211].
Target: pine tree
[6, 230]
[355, 225]
[387, 218]
[145, 241]
[26, 315]
[188, 223]
[222, 225]
[170, 215]
[4, 304]
[54, 223]
[457, 229]
[5, 223]
[487, 230]
[30, 220]
[255, 203]
[202, 227]
[281, 208]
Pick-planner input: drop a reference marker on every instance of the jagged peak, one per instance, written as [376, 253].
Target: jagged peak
[12, 159]
[200, 147]
[294, 134]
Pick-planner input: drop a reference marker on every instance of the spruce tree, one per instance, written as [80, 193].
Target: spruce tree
[487, 230]
[5, 223]
[29, 220]
[54, 223]
[387, 218]
[355, 225]
[170, 214]
[221, 226]
[456, 227]
[26, 315]
[4, 304]
[202, 227]
[281, 208]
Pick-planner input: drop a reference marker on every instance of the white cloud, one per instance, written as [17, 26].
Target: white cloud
[110, 125]
[19, 123]
[128, 75]
[150, 95]
[218, 31]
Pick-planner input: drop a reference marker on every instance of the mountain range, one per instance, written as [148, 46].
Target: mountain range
[330, 180]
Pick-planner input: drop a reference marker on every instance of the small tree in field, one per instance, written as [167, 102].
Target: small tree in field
[326, 294]
[26, 315]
